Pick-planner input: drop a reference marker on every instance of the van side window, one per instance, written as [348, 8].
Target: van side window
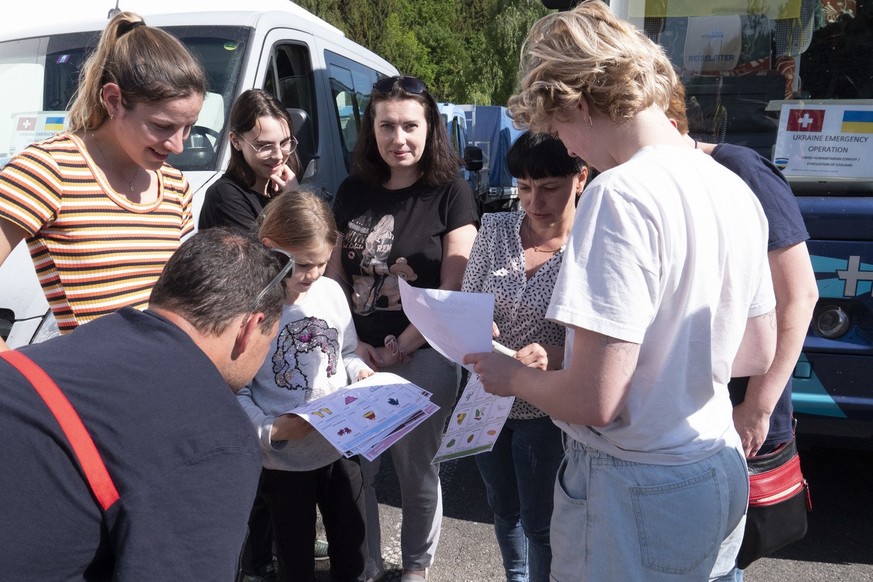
[290, 79]
[350, 84]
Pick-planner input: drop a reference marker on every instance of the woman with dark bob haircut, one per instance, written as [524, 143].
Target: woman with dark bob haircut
[516, 258]
[404, 212]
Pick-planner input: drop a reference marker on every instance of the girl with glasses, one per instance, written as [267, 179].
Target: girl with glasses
[404, 212]
[313, 355]
[263, 162]
[99, 206]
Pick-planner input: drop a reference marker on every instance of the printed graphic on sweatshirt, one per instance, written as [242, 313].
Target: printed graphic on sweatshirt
[303, 348]
[368, 243]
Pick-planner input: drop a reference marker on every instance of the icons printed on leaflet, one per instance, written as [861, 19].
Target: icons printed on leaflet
[358, 418]
[475, 423]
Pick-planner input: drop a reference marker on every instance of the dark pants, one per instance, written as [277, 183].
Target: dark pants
[258, 550]
[337, 489]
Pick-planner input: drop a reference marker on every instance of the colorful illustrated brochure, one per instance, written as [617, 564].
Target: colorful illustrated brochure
[475, 423]
[361, 417]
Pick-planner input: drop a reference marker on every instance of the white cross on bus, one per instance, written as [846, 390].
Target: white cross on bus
[806, 120]
[853, 274]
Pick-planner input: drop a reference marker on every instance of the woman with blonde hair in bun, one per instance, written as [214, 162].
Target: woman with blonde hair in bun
[100, 208]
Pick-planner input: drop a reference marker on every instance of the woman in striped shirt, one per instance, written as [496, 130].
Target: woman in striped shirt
[100, 209]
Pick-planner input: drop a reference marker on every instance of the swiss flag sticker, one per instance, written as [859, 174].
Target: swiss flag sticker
[26, 124]
[805, 119]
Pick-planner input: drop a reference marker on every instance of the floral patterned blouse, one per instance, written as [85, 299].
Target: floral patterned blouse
[497, 266]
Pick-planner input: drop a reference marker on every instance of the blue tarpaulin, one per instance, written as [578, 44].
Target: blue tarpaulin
[494, 133]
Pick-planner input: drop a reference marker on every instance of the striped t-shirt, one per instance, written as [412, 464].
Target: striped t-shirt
[94, 250]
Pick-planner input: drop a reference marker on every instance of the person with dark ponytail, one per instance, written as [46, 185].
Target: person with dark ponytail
[263, 162]
[98, 205]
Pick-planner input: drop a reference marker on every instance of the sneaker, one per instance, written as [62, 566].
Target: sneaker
[267, 573]
[321, 550]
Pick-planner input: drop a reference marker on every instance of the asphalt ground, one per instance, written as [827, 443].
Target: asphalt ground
[467, 551]
[838, 546]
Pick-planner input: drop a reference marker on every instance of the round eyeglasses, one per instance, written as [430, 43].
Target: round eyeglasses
[286, 148]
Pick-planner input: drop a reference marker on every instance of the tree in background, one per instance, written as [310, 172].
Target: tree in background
[465, 50]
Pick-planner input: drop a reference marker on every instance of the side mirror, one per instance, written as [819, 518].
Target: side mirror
[474, 159]
[7, 320]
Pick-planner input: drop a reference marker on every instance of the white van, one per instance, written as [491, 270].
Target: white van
[321, 76]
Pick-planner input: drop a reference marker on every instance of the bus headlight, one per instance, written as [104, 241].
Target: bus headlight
[831, 322]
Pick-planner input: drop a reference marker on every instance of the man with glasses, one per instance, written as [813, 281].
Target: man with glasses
[164, 489]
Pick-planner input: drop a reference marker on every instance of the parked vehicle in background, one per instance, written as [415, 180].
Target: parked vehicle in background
[794, 81]
[321, 76]
[489, 130]
[458, 129]
[492, 130]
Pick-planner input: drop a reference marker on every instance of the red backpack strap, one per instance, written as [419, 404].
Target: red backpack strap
[78, 436]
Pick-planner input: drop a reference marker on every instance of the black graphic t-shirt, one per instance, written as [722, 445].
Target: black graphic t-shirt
[395, 233]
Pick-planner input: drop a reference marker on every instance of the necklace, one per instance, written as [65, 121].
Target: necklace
[530, 239]
[106, 160]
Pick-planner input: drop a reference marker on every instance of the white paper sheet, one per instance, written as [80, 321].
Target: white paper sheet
[454, 323]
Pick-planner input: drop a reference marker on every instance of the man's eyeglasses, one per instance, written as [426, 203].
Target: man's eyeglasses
[287, 261]
[408, 84]
[286, 148]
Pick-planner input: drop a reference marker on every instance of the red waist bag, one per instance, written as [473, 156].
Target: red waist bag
[778, 502]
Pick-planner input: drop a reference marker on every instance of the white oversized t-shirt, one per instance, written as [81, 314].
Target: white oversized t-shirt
[668, 250]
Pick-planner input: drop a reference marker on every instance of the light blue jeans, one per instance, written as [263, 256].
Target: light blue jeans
[620, 520]
[519, 476]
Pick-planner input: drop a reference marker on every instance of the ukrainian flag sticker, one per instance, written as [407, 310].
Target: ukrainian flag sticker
[54, 123]
[857, 122]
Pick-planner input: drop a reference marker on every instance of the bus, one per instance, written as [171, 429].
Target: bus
[793, 79]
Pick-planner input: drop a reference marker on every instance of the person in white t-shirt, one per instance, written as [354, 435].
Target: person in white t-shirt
[666, 293]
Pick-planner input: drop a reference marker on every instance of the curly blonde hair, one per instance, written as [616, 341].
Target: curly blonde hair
[589, 53]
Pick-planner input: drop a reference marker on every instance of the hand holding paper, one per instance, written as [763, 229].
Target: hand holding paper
[455, 324]
[494, 371]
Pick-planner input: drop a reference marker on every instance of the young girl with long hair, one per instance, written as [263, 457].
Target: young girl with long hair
[263, 162]
[313, 355]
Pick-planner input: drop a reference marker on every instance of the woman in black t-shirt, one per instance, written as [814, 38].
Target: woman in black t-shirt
[404, 213]
[263, 163]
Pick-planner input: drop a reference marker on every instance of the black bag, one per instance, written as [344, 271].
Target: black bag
[778, 503]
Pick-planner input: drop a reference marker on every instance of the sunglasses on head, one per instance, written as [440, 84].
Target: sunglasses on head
[286, 259]
[408, 84]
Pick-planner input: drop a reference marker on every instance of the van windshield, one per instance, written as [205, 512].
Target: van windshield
[39, 77]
